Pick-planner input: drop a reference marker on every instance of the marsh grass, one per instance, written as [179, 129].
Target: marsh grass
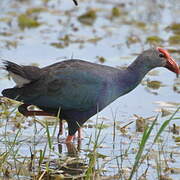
[39, 163]
[93, 155]
[146, 136]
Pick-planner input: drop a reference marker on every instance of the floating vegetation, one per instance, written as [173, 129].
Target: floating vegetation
[153, 73]
[63, 42]
[164, 177]
[152, 84]
[101, 126]
[165, 112]
[175, 27]
[174, 40]
[35, 10]
[154, 40]
[141, 124]
[175, 129]
[140, 25]
[57, 45]
[6, 34]
[177, 139]
[6, 20]
[25, 21]
[101, 59]
[132, 39]
[11, 44]
[116, 12]
[94, 40]
[176, 86]
[88, 18]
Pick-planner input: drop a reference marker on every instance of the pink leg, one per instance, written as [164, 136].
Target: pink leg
[69, 139]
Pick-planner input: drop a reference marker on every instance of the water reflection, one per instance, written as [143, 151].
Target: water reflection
[72, 150]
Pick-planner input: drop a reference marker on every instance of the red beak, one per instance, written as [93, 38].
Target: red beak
[172, 66]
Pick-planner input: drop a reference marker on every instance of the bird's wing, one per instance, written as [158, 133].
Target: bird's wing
[71, 90]
[66, 88]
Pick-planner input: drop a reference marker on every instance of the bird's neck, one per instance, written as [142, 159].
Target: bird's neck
[140, 67]
[133, 75]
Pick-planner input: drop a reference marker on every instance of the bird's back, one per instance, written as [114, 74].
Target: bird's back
[69, 85]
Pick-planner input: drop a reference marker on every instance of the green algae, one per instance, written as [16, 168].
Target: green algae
[140, 25]
[35, 10]
[116, 12]
[174, 40]
[26, 21]
[175, 27]
[154, 84]
[154, 40]
[57, 45]
[88, 18]
[101, 59]
[6, 19]
[132, 40]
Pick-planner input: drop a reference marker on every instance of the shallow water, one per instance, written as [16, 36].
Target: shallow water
[138, 19]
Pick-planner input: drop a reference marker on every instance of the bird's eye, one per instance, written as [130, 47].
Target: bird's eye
[161, 55]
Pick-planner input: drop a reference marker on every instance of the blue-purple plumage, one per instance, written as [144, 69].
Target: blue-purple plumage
[78, 88]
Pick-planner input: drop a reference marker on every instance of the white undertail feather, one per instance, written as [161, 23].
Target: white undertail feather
[20, 81]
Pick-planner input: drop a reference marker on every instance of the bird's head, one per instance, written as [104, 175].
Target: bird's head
[159, 57]
[169, 61]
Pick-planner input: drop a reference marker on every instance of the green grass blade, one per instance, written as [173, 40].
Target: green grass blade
[143, 142]
[165, 124]
[48, 136]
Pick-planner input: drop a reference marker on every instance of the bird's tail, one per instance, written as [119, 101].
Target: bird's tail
[13, 68]
[17, 73]
[22, 75]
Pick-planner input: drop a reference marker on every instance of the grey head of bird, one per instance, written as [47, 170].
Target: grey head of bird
[157, 57]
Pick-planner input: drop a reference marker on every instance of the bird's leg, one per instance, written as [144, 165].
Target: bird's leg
[79, 133]
[73, 126]
[69, 139]
[23, 110]
[60, 129]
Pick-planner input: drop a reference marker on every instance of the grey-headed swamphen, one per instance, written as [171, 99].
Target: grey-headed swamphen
[78, 89]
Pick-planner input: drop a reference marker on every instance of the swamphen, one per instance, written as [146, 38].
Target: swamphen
[77, 89]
